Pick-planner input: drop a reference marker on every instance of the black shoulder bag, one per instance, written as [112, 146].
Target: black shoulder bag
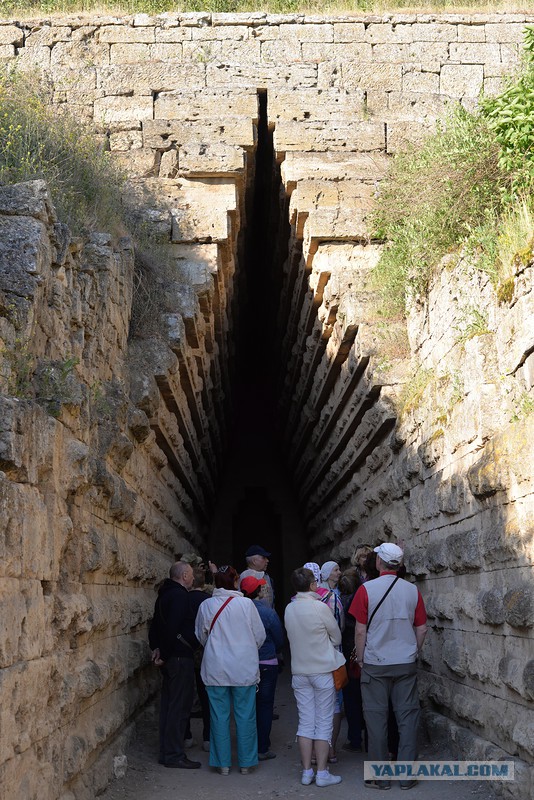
[382, 600]
[353, 660]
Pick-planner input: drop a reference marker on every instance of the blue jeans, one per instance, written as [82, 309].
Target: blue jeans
[265, 705]
[244, 701]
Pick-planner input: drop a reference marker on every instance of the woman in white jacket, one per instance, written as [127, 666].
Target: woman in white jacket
[313, 635]
[230, 628]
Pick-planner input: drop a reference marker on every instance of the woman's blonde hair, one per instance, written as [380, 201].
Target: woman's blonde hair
[362, 550]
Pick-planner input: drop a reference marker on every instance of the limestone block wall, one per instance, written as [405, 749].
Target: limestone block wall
[420, 434]
[93, 504]
[342, 83]
[452, 482]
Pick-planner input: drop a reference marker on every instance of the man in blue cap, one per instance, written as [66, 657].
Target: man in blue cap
[257, 559]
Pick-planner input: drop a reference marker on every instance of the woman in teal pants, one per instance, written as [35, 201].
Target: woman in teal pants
[230, 628]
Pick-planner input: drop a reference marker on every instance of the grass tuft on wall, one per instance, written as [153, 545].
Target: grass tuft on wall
[468, 187]
[37, 142]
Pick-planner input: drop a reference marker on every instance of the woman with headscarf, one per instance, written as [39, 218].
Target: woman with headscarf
[330, 596]
[316, 569]
[231, 631]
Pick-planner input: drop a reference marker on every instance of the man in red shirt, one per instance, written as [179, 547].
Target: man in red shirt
[390, 630]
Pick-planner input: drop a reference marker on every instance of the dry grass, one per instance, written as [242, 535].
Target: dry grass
[32, 8]
[38, 143]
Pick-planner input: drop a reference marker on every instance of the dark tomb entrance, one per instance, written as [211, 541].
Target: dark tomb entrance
[256, 502]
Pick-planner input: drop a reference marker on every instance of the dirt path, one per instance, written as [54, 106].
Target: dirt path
[147, 780]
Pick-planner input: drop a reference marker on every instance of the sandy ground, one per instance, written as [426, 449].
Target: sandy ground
[145, 779]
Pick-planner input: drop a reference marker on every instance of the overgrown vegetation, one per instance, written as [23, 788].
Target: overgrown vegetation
[88, 189]
[37, 142]
[89, 193]
[29, 7]
[469, 186]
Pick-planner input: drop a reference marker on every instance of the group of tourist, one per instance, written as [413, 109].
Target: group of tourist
[228, 638]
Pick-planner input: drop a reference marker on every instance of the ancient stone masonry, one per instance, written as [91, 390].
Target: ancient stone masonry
[111, 458]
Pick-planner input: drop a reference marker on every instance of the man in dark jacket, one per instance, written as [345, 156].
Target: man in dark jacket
[173, 642]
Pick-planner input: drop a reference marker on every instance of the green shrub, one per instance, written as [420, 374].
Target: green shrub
[432, 200]
[472, 323]
[463, 188]
[510, 115]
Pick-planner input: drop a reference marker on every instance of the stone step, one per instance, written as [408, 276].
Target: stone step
[207, 103]
[320, 136]
[171, 401]
[205, 160]
[334, 224]
[323, 301]
[347, 418]
[364, 363]
[313, 193]
[298, 271]
[336, 312]
[375, 425]
[163, 134]
[335, 354]
[302, 105]
[304, 368]
[298, 331]
[299, 166]
[170, 443]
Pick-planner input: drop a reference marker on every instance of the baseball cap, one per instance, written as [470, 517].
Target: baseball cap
[250, 584]
[256, 550]
[390, 553]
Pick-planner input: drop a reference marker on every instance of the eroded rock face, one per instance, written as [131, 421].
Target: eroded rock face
[77, 584]
[113, 472]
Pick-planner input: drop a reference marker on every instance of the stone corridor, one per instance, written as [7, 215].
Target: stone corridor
[267, 398]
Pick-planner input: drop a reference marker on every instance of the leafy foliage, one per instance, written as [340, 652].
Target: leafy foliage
[433, 199]
[510, 116]
[472, 323]
[465, 187]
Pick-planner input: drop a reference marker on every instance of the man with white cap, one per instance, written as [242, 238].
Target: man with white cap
[390, 630]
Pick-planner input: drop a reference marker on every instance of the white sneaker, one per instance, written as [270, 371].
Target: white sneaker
[224, 770]
[307, 779]
[327, 780]
[243, 770]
